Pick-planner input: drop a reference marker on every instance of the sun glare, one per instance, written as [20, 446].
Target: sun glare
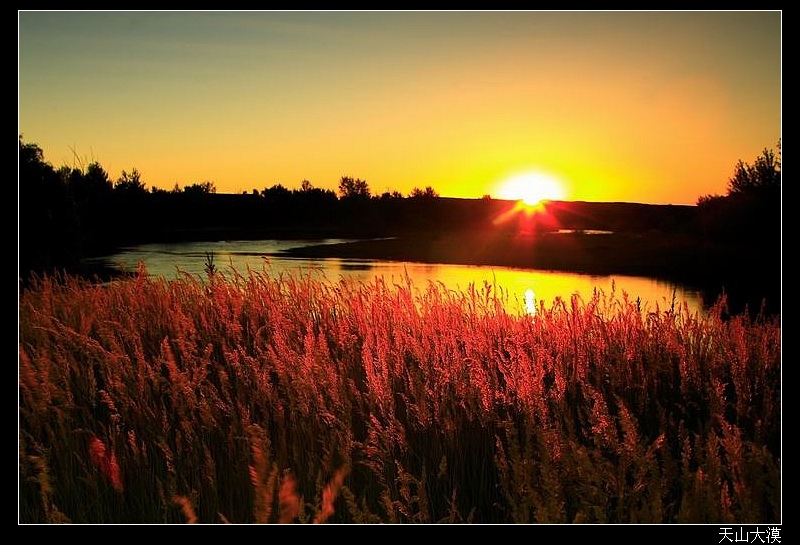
[532, 188]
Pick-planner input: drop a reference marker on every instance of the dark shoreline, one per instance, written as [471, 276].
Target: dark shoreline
[709, 269]
[749, 273]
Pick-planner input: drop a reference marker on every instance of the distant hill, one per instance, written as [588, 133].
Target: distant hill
[220, 216]
[621, 216]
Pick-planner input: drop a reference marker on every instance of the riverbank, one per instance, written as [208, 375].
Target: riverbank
[753, 273]
[748, 274]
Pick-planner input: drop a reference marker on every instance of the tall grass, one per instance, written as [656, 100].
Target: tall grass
[252, 398]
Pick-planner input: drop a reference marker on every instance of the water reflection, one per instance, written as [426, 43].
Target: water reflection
[583, 232]
[525, 290]
[530, 302]
[347, 265]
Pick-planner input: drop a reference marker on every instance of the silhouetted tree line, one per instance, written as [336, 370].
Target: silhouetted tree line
[752, 205]
[743, 228]
[69, 213]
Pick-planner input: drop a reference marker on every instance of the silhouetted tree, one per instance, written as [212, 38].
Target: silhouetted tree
[130, 182]
[750, 212]
[91, 191]
[277, 191]
[48, 226]
[427, 193]
[200, 188]
[390, 195]
[350, 187]
[97, 179]
[762, 176]
[709, 200]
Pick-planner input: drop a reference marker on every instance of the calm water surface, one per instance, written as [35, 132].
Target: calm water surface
[526, 289]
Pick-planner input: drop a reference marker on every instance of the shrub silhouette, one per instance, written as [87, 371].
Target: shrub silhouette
[751, 210]
[764, 175]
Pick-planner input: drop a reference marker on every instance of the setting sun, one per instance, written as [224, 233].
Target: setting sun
[532, 188]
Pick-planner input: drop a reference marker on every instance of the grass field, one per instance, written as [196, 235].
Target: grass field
[247, 398]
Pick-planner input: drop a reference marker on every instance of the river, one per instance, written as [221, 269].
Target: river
[525, 289]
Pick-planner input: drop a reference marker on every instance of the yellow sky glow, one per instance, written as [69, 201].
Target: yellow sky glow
[650, 107]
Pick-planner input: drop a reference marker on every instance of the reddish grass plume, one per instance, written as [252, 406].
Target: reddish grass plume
[255, 398]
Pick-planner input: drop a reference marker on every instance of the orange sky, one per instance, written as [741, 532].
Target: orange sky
[652, 107]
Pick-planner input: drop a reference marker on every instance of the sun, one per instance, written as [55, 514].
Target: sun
[532, 188]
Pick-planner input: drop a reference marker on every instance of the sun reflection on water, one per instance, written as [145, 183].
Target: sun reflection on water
[530, 302]
[527, 291]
